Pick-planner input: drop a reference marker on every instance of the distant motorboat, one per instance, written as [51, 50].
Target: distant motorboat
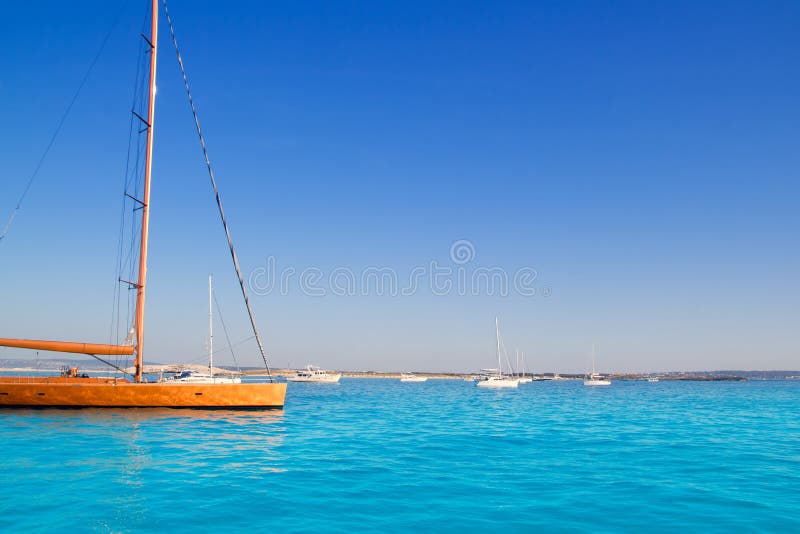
[652, 379]
[555, 376]
[495, 378]
[409, 377]
[595, 379]
[312, 373]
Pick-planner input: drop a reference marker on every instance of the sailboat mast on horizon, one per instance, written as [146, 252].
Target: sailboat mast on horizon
[496, 379]
[595, 379]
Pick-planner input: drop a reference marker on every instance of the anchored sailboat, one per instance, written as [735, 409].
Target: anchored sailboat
[522, 378]
[201, 377]
[595, 379]
[495, 378]
[72, 390]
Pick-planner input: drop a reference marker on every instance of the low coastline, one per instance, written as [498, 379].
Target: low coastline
[55, 367]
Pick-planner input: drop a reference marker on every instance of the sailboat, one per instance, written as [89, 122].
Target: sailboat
[595, 379]
[201, 377]
[522, 378]
[495, 378]
[74, 390]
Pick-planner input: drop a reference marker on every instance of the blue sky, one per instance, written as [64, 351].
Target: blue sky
[640, 156]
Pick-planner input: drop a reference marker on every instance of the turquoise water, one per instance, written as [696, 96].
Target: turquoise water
[380, 455]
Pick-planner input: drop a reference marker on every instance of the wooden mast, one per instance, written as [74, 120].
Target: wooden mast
[141, 284]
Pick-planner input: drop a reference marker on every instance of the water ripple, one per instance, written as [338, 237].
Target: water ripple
[379, 455]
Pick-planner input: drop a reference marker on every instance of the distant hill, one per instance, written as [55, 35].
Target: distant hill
[56, 363]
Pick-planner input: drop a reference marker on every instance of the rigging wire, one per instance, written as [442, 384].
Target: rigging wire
[120, 369]
[132, 174]
[216, 193]
[61, 124]
[204, 356]
[225, 329]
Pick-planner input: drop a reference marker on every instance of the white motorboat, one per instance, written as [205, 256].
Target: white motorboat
[495, 378]
[652, 379]
[312, 373]
[409, 377]
[595, 379]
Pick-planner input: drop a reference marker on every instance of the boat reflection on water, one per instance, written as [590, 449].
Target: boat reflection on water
[153, 415]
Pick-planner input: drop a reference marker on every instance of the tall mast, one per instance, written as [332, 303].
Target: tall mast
[210, 331]
[497, 335]
[593, 356]
[151, 108]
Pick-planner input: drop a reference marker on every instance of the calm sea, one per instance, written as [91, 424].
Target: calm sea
[442, 456]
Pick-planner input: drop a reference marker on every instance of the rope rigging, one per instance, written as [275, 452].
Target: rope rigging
[128, 239]
[60, 125]
[225, 329]
[216, 194]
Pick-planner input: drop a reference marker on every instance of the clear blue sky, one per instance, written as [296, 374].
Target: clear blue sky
[641, 156]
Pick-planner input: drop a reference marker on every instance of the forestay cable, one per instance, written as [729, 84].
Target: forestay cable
[216, 193]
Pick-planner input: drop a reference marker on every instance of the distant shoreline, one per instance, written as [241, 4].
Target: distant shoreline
[697, 377]
[54, 366]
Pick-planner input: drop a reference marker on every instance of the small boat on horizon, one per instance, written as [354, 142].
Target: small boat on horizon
[522, 379]
[410, 377]
[494, 377]
[594, 378]
[194, 376]
[314, 374]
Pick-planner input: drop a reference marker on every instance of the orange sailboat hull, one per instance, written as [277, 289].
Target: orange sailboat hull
[111, 393]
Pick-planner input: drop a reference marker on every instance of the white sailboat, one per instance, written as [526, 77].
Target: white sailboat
[314, 374]
[410, 377]
[194, 376]
[521, 359]
[595, 379]
[495, 378]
